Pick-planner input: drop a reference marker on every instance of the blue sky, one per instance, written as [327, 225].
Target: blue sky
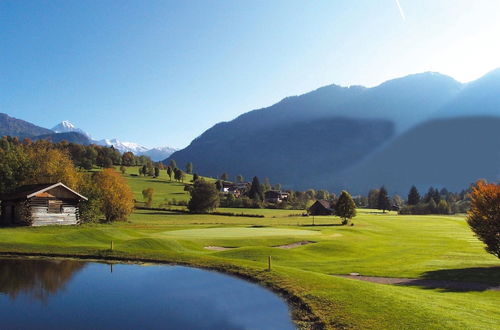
[161, 72]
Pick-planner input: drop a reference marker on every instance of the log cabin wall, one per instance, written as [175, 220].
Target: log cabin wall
[53, 211]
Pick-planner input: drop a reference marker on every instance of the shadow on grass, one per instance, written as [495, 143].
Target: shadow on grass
[462, 279]
[323, 225]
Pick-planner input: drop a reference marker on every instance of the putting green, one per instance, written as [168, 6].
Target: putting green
[233, 232]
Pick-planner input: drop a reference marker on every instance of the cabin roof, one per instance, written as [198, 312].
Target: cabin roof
[29, 191]
[324, 203]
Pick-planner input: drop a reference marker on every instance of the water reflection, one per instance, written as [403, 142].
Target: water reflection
[36, 278]
[70, 294]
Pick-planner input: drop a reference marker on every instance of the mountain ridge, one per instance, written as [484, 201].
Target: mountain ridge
[405, 102]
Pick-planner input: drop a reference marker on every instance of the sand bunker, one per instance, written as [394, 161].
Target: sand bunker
[218, 248]
[294, 245]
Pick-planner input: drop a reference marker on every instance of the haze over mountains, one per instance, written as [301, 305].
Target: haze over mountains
[406, 131]
[66, 131]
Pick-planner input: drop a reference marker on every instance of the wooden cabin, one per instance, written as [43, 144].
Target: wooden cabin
[321, 207]
[40, 205]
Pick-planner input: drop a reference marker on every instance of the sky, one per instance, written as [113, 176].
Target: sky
[162, 72]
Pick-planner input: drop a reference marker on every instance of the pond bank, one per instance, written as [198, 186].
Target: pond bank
[300, 312]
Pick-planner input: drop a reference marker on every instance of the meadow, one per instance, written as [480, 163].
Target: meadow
[379, 244]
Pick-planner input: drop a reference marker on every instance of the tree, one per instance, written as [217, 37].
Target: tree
[195, 177]
[345, 207]
[144, 170]
[397, 201]
[157, 171]
[117, 198]
[484, 215]
[240, 178]
[189, 168]
[178, 175]
[204, 197]
[255, 191]
[147, 194]
[123, 169]
[413, 196]
[172, 164]
[373, 199]
[90, 210]
[51, 165]
[443, 207]
[224, 177]
[277, 186]
[169, 172]
[322, 194]
[384, 202]
[128, 158]
[219, 185]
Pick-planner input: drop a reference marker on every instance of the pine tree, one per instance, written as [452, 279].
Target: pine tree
[413, 196]
[189, 168]
[345, 207]
[255, 191]
[384, 203]
[169, 172]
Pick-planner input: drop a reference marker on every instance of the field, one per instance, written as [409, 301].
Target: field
[388, 245]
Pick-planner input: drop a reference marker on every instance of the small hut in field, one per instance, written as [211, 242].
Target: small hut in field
[40, 205]
[321, 207]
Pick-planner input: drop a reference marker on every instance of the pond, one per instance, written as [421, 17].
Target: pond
[71, 294]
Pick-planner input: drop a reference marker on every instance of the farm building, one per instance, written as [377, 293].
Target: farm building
[321, 208]
[275, 196]
[39, 205]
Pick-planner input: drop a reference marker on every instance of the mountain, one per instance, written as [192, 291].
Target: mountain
[67, 127]
[23, 129]
[123, 146]
[449, 153]
[73, 137]
[20, 128]
[158, 154]
[304, 141]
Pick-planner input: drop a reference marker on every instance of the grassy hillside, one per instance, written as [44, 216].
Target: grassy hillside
[163, 187]
[438, 247]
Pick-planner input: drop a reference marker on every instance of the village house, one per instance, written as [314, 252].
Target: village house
[275, 196]
[321, 207]
[39, 205]
[236, 189]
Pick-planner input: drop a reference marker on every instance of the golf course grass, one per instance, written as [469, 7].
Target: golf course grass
[387, 245]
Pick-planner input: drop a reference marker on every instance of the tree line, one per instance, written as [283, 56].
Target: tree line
[43, 162]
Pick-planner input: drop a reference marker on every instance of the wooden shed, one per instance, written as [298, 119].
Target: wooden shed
[321, 207]
[39, 205]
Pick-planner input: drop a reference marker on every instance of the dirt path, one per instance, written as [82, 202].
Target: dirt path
[427, 283]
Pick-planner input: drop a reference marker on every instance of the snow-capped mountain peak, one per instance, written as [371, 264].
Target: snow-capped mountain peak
[123, 146]
[66, 126]
[156, 154]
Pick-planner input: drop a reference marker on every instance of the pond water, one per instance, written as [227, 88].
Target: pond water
[70, 294]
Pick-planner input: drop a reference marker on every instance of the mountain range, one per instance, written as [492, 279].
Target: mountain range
[425, 129]
[66, 131]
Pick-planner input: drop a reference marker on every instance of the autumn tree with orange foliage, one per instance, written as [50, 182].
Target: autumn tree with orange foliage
[50, 165]
[484, 215]
[116, 197]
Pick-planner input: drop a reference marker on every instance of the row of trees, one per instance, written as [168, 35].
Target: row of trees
[44, 162]
[85, 156]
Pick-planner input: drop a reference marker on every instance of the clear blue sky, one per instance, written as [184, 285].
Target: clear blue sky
[161, 72]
